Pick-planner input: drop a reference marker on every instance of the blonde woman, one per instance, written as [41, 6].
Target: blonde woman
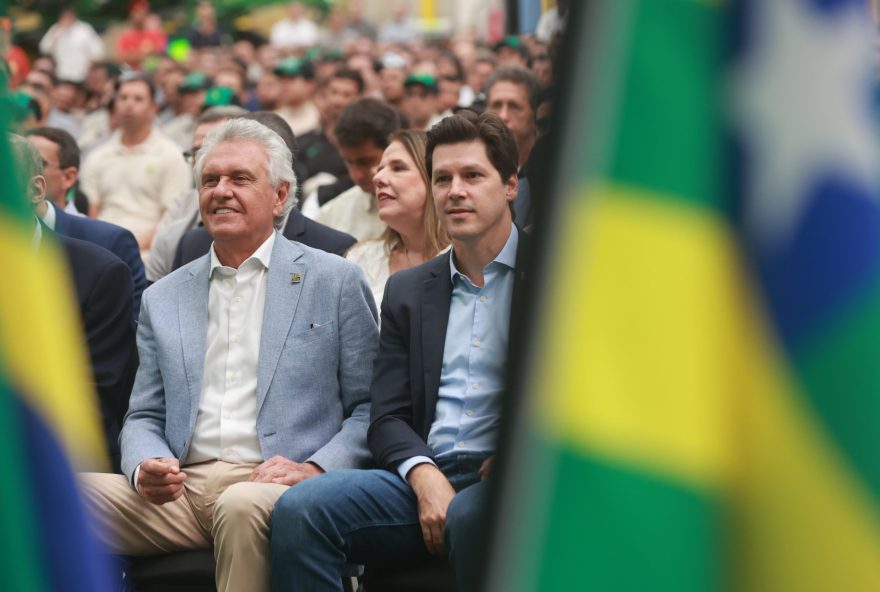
[414, 233]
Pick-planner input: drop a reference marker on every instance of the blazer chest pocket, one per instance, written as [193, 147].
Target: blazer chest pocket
[314, 332]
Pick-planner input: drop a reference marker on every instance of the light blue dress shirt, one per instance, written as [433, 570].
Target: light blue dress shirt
[468, 413]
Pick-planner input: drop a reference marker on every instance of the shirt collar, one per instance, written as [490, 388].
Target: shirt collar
[38, 233]
[262, 255]
[49, 218]
[507, 255]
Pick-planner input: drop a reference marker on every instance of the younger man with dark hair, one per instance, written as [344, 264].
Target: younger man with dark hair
[362, 136]
[436, 390]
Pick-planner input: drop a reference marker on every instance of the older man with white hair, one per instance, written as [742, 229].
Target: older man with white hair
[255, 365]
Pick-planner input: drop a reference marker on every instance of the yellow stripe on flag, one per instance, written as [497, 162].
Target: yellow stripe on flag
[802, 519]
[44, 347]
[640, 320]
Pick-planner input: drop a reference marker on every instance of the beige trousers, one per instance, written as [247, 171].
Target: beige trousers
[218, 505]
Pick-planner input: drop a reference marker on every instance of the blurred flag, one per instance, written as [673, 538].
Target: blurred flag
[702, 405]
[48, 414]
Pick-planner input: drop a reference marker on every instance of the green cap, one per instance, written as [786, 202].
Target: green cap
[194, 82]
[293, 67]
[513, 42]
[219, 96]
[422, 79]
[22, 106]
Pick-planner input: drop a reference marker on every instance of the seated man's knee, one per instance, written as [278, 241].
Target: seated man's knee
[235, 505]
[307, 501]
[464, 516]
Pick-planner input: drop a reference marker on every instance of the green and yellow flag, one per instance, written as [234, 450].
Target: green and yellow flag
[702, 402]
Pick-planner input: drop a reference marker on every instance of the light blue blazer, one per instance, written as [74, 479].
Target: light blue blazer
[318, 341]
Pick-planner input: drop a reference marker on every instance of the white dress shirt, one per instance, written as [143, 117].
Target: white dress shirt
[226, 426]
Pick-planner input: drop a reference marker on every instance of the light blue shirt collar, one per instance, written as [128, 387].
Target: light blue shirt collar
[507, 255]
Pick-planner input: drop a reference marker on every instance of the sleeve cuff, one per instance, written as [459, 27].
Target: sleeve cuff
[404, 468]
[134, 479]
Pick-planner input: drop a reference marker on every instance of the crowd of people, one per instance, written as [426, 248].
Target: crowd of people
[329, 222]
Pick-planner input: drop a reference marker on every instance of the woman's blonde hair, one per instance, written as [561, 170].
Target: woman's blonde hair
[436, 238]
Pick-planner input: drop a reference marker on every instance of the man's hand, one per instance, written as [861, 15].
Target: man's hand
[160, 480]
[486, 467]
[283, 471]
[434, 493]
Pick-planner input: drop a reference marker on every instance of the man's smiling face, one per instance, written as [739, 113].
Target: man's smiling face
[236, 198]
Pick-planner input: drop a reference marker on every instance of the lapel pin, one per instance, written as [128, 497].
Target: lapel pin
[296, 278]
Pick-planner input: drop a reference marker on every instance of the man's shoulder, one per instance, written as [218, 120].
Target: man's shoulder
[103, 150]
[86, 251]
[162, 143]
[324, 237]
[345, 200]
[412, 278]
[169, 285]
[91, 228]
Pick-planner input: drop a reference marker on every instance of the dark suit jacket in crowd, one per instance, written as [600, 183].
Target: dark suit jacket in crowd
[104, 291]
[117, 240]
[406, 373]
[196, 242]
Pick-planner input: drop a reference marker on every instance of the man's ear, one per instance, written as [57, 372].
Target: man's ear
[37, 188]
[510, 188]
[282, 194]
[70, 175]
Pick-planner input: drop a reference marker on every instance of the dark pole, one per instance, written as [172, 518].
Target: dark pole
[512, 19]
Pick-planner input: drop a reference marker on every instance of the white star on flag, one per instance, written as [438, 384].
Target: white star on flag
[801, 99]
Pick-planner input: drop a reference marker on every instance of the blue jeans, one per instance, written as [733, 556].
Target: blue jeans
[371, 517]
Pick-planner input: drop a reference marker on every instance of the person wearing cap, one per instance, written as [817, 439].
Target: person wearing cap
[135, 175]
[297, 89]
[191, 97]
[511, 51]
[420, 101]
[391, 78]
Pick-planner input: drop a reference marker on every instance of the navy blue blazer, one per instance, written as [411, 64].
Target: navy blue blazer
[196, 242]
[406, 373]
[116, 239]
[103, 291]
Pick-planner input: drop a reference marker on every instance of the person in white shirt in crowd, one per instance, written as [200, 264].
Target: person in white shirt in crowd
[400, 28]
[133, 177]
[296, 31]
[73, 44]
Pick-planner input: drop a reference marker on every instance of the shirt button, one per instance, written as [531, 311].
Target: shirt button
[234, 339]
[477, 343]
[461, 444]
[469, 412]
[476, 385]
[483, 299]
[237, 299]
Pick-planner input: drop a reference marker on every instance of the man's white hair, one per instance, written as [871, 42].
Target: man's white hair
[278, 154]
